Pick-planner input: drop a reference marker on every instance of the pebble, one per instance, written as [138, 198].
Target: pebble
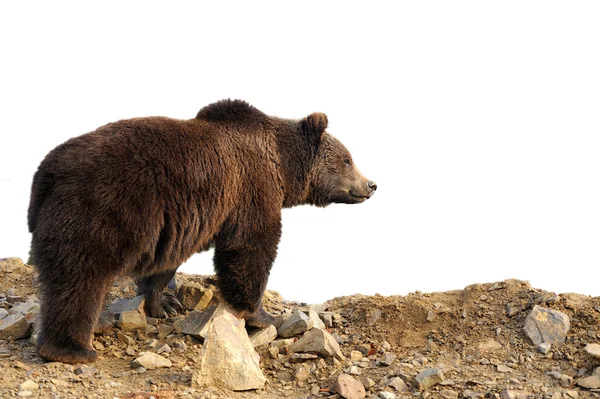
[151, 361]
[349, 387]
[318, 341]
[298, 323]
[163, 349]
[429, 377]
[387, 395]
[514, 394]
[14, 325]
[593, 350]
[356, 356]
[591, 382]
[398, 385]
[448, 394]
[386, 360]
[28, 386]
[544, 348]
[489, 345]
[263, 336]
[316, 320]
[504, 369]
[367, 382]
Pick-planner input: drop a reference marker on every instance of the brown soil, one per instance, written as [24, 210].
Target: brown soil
[442, 330]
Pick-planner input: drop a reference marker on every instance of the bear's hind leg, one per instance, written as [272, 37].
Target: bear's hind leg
[70, 309]
[158, 303]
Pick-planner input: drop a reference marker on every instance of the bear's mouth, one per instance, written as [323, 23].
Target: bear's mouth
[362, 197]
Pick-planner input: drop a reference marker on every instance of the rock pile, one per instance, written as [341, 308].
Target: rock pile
[501, 340]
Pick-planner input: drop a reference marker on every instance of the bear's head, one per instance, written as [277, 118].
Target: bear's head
[334, 178]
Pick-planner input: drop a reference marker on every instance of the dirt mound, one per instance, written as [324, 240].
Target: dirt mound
[465, 344]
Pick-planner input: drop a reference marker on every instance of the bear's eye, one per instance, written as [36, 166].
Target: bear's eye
[347, 162]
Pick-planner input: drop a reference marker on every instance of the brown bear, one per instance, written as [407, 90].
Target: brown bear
[140, 196]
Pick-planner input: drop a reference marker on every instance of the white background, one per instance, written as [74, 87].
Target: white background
[480, 122]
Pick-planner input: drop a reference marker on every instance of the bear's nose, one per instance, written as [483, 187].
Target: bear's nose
[372, 185]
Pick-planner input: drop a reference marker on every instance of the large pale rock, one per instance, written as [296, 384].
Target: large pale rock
[349, 387]
[296, 324]
[544, 325]
[14, 325]
[263, 336]
[318, 341]
[228, 359]
[197, 324]
[428, 378]
[151, 361]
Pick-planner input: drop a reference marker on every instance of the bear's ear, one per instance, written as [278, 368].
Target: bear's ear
[315, 122]
[314, 125]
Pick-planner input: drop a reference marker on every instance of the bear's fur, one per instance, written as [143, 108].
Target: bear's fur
[140, 196]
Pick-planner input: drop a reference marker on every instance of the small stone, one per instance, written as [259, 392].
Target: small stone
[151, 330]
[367, 382]
[273, 351]
[514, 394]
[386, 360]
[353, 370]
[356, 356]
[28, 386]
[591, 382]
[300, 357]
[348, 387]
[124, 338]
[398, 385]
[316, 320]
[544, 325]
[193, 296]
[3, 313]
[387, 395]
[572, 394]
[298, 323]
[59, 383]
[24, 394]
[428, 378]
[386, 346]
[327, 318]
[85, 371]
[593, 350]
[431, 316]
[302, 374]
[489, 346]
[544, 348]
[164, 330]
[151, 361]
[163, 349]
[14, 325]
[504, 369]
[596, 371]
[263, 336]
[282, 343]
[318, 341]
[364, 349]
[448, 394]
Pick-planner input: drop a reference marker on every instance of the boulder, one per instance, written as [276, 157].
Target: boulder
[544, 325]
[228, 359]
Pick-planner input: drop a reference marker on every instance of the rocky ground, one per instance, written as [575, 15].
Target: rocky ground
[499, 340]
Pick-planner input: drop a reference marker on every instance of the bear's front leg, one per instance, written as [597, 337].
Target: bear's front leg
[243, 264]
